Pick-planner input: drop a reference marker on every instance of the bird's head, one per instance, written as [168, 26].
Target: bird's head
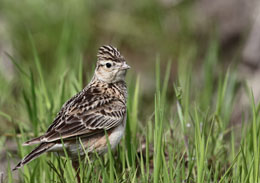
[111, 66]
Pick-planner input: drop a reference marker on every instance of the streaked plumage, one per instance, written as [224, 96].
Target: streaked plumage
[99, 107]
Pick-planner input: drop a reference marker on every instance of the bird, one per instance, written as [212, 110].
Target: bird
[91, 118]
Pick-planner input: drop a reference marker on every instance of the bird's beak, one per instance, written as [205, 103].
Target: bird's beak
[125, 66]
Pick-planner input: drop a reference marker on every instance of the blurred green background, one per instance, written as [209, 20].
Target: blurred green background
[202, 37]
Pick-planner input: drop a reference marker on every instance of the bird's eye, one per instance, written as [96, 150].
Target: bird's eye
[108, 65]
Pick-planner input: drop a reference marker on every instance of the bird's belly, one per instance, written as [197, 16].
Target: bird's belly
[100, 145]
[116, 135]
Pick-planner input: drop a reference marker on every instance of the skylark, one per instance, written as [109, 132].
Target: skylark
[95, 114]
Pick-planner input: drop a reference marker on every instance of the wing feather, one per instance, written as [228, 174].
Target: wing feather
[86, 115]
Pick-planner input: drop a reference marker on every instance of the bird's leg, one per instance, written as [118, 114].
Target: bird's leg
[75, 165]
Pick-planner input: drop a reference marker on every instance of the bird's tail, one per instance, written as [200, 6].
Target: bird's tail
[36, 140]
[43, 147]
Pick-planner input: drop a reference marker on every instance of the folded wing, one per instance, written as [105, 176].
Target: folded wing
[87, 115]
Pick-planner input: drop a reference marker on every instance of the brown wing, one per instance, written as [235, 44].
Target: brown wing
[87, 114]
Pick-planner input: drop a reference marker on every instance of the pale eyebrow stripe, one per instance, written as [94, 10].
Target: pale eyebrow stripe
[104, 62]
